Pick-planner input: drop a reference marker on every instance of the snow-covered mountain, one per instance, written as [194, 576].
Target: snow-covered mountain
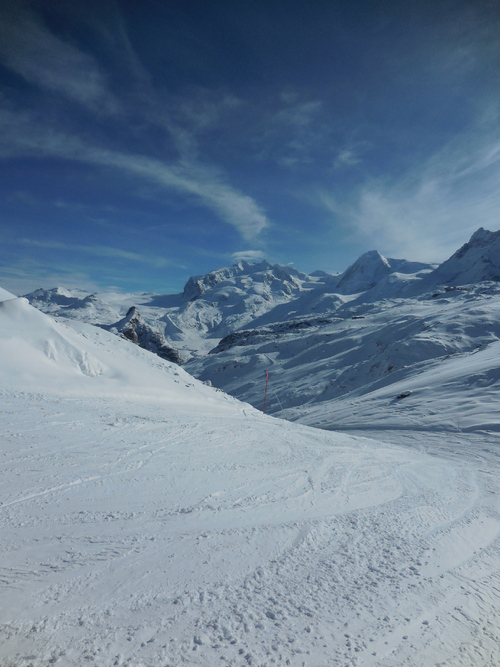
[74, 304]
[353, 353]
[148, 519]
[134, 328]
[228, 299]
[371, 268]
[476, 261]
[216, 304]
[209, 307]
[243, 279]
[321, 337]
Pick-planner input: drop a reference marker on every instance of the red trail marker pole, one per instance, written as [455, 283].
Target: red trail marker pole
[265, 393]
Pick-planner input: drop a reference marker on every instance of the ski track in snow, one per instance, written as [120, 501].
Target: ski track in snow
[132, 534]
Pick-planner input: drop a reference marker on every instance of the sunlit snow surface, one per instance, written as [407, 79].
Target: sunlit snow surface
[147, 519]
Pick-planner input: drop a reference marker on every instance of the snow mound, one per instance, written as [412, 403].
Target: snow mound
[46, 347]
[44, 355]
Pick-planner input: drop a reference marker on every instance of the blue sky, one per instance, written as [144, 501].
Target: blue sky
[145, 142]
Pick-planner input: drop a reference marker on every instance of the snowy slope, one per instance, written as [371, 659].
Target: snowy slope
[40, 354]
[475, 261]
[147, 519]
[4, 295]
[75, 304]
[459, 393]
[356, 350]
[209, 307]
[321, 337]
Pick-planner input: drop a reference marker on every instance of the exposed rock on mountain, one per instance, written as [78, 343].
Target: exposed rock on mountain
[253, 336]
[135, 329]
[322, 337]
[263, 279]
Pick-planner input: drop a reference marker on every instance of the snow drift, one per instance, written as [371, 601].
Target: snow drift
[40, 354]
[147, 519]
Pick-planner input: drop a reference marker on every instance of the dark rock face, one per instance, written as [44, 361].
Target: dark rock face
[254, 336]
[134, 328]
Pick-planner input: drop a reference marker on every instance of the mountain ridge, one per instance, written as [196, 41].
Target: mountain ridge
[323, 337]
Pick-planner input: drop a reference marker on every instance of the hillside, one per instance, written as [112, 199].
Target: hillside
[149, 519]
[355, 351]
[322, 338]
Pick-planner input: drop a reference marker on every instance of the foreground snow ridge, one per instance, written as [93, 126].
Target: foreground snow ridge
[147, 519]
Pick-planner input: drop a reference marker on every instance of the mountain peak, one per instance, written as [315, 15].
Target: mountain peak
[482, 237]
[57, 295]
[364, 273]
[243, 273]
[74, 303]
[476, 261]
[251, 267]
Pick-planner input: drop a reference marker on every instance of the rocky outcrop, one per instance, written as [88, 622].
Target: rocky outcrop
[134, 328]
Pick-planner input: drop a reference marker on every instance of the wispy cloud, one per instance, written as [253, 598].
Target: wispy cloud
[98, 251]
[428, 213]
[25, 275]
[202, 182]
[25, 135]
[292, 133]
[348, 157]
[248, 256]
[28, 48]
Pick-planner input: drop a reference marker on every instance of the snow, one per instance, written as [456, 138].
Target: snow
[5, 296]
[215, 305]
[475, 261]
[147, 519]
[364, 274]
[40, 354]
[367, 354]
[73, 304]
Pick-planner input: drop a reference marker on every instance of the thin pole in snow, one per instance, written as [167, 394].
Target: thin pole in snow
[265, 393]
[278, 399]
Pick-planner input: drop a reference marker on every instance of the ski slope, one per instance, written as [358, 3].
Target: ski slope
[148, 519]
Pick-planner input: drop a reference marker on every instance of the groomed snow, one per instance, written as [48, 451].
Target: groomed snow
[147, 519]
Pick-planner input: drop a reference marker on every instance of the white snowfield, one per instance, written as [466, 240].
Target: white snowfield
[150, 520]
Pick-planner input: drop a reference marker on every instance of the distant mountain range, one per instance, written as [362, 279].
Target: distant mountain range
[323, 338]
